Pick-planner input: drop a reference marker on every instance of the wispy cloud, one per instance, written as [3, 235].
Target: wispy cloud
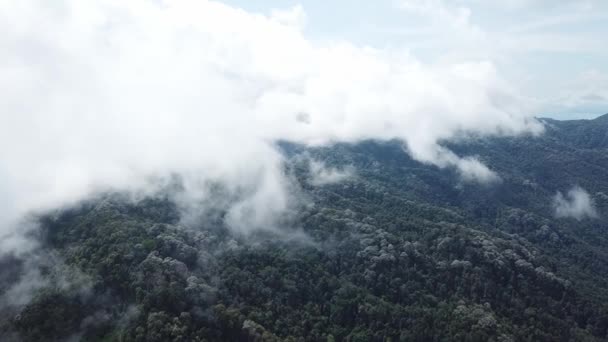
[529, 40]
[577, 204]
[321, 174]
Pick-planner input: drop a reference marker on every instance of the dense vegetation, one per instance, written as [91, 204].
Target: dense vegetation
[400, 251]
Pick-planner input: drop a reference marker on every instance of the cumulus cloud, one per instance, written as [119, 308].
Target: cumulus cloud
[116, 94]
[577, 204]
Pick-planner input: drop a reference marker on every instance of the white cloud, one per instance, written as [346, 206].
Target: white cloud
[445, 24]
[111, 94]
[295, 16]
[576, 204]
[321, 174]
[527, 39]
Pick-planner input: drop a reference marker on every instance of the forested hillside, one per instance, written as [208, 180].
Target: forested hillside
[396, 250]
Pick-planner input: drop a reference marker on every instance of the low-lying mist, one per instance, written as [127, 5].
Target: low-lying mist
[114, 95]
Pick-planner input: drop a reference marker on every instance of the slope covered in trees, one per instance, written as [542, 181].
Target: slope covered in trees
[398, 250]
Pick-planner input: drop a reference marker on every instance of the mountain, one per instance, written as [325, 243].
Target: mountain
[581, 133]
[398, 250]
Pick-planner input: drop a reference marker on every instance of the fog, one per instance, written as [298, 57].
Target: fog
[117, 95]
[577, 204]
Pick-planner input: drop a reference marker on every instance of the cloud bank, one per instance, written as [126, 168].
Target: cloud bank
[115, 94]
[577, 204]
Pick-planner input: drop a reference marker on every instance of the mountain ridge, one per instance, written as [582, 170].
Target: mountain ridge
[400, 250]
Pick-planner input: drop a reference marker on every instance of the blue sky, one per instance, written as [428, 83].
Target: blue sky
[553, 51]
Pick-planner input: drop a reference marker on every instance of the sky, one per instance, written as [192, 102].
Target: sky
[114, 95]
[552, 50]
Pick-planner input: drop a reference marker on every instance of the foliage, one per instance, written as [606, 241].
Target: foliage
[401, 251]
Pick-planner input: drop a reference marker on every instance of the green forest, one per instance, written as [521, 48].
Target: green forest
[397, 251]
